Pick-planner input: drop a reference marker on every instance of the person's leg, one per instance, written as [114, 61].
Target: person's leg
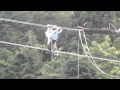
[48, 41]
[55, 48]
[55, 44]
[50, 45]
[53, 41]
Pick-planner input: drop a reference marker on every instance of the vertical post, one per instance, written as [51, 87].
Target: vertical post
[78, 57]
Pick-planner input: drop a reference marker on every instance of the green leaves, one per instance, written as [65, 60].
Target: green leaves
[105, 50]
[24, 63]
[4, 64]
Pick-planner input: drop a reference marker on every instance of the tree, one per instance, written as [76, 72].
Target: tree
[105, 50]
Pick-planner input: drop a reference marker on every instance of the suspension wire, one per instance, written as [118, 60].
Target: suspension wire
[33, 24]
[62, 52]
[94, 61]
[40, 25]
[84, 48]
[22, 22]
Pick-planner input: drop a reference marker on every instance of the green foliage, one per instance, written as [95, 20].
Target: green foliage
[105, 50]
[25, 63]
[116, 43]
[96, 18]
[85, 70]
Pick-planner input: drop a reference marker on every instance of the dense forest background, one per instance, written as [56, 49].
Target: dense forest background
[25, 63]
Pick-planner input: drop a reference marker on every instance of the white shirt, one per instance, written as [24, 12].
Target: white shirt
[48, 32]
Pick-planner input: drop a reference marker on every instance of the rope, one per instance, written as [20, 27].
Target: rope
[33, 24]
[93, 59]
[67, 53]
[40, 25]
[21, 22]
[84, 49]
[109, 28]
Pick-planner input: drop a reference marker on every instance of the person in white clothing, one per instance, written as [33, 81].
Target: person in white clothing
[48, 33]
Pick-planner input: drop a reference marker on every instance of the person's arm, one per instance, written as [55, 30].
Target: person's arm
[60, 30]
[48, 30]
[57, 29]
[48, 27]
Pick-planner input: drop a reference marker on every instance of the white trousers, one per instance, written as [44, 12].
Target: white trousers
[48, 40]
[47, 34]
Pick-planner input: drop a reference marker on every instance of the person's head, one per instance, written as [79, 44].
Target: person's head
[59, 28]
[48, 25]
[54, 27]
[51, 26]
